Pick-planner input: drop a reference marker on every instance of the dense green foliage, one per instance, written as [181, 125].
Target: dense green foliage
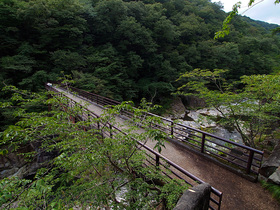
[89, 168]
[252, 110]
[125, 49]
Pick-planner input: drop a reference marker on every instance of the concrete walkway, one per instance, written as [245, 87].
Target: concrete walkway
[238, 193]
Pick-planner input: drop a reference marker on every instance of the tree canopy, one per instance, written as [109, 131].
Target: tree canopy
[125, 50]
[126, 47]
[252, 110]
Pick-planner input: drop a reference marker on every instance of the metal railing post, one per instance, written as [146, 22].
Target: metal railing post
[250, 161]
[157, 160]
[97, 100]
[98, 124]
[203, 143]
[111, 133]
[220, 202]
[172, 128]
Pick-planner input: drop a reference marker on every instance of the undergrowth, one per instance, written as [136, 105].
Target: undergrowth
[273, 188]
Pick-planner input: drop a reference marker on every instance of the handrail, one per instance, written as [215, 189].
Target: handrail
[215, 199]
[211, 135]
[97, 98]
[249, 158]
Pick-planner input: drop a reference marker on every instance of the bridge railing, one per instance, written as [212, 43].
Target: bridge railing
[167, 167]
[247, 158]
[226, 151]
[100, 100]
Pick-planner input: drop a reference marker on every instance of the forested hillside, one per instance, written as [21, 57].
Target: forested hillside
[126, 49]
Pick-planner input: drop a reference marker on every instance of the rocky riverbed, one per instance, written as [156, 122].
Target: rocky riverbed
[200, 119]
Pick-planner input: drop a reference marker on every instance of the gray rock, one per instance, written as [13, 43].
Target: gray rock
[272, 163]
[13, 164]
[192, 101]
[196, 198]
[20, 172]
[275, 177]
[8, 172]
[177, 109]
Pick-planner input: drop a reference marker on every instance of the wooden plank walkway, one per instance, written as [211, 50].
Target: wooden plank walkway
[239, 193]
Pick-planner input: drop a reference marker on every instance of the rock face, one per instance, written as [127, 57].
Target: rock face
[193, 102]
[14, 164]
[177, 109]
[199, 118]
[270, 168]
[275, 177]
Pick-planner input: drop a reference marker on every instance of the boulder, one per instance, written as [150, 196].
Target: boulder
[193, 101]
[14, 164]
[272, 163]
[275, 177]
[8, 172]
[196, 198]
[177, 109]
[28, 170]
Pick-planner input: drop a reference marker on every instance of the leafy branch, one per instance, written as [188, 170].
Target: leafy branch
[226, 23]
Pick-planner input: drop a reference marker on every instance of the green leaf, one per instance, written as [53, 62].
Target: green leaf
[4, 152]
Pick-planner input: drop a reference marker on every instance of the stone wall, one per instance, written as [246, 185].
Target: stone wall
[196, 198]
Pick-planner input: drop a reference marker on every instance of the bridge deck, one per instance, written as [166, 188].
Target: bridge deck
[238, 193]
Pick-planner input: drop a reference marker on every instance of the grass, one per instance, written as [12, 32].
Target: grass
[273, 188]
